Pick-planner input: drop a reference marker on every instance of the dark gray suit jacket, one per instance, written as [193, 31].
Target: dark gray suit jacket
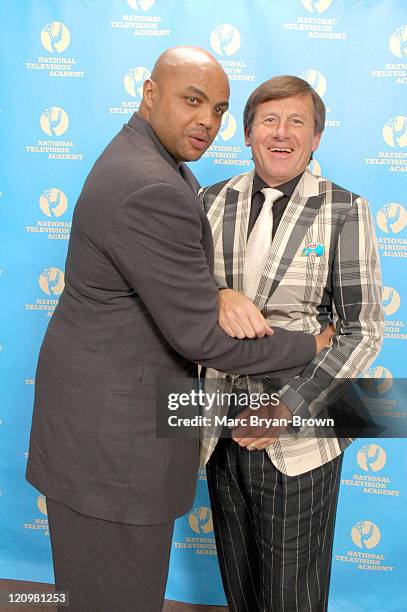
[139, 302]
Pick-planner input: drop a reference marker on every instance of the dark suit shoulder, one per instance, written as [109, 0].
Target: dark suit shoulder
[135, 160]
[129, 163]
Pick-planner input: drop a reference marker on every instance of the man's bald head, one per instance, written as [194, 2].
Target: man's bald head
[182, 59]
[184, 100]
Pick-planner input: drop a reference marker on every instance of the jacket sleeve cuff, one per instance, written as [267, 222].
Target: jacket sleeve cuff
[295, 404]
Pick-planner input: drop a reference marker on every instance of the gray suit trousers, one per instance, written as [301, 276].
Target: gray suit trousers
[107, 566]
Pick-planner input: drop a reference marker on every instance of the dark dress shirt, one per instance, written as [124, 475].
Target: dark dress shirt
[279, 205]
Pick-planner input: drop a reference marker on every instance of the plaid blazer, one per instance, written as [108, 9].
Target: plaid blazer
[323, 265]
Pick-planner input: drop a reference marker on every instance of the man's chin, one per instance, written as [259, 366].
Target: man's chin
[193, 155]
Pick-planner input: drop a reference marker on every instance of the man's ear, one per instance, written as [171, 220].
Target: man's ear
[316, 141]
[247, 139]
[149, 92]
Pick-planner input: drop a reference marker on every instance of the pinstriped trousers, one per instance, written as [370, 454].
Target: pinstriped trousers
[274, 533]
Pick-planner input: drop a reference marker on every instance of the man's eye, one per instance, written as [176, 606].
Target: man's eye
[192, 99]
[220, 110]
[297, 122]
[269, 120]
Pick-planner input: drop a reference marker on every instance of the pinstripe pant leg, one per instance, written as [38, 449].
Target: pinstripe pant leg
[295, 517]
[291, 521]
[236, 540]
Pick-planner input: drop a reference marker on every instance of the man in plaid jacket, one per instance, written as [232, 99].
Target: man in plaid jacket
[304, 251]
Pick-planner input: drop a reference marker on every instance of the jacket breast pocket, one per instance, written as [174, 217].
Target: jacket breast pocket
[309, 272]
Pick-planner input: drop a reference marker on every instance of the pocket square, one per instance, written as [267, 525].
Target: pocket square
[313, 248]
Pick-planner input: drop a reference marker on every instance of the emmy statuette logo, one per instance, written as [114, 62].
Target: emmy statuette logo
[390, 300]
[371, 458]
[398, 42]
[200, 520]
[392, 218]
[315, 167]
[395, 131]
[55, 37]
[227, 128]
[316, 79]
[141, 5]
[53, 202]
[52, 281]
[225, 39]
[376, 381]
[54, 121]
[316, 6]
[134, 79]
[365, 534]
[42, 504]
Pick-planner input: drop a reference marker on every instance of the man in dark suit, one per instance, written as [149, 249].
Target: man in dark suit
[139, 303]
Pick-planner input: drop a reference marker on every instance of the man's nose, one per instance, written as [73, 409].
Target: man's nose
[282, 128]
[205, 117]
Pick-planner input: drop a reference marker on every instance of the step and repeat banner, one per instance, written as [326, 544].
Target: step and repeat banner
[72, 74]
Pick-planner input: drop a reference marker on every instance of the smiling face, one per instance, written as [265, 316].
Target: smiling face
[282, 138]
[185, 108]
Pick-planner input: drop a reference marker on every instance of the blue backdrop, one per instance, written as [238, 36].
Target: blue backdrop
[71, 75]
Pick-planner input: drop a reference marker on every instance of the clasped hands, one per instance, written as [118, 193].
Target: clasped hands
[257, 437]
[240, 318]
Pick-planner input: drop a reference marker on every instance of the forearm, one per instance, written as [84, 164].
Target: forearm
[359, 319]
[327, 376]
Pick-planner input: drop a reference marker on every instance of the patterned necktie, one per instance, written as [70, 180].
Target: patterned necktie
[258, 245]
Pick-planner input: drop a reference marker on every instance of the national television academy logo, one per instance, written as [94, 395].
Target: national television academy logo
[398, 42]
[316, 79]
[395, 131]
[314, 167]
[42, 504]
[55, 37]
[392, 218]
[53, 202]
[54, 121]
[390, 301]
[227, 128]
[134, 80]
[200, 520]
[141, 5]
[225, 39]
[371, 458]
[377, 381]
[365, 534]
[316, 6]
[51, 281]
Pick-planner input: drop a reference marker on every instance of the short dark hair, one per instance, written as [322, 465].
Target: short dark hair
[280, 87]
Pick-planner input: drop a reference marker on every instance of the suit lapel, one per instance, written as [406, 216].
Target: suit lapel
[234, 231]
[189, 178]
